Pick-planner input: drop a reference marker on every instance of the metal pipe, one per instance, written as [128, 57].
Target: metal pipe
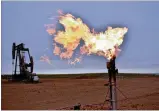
[15, 70]
[112, 83]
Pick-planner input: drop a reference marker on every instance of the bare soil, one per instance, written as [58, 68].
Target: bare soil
[139, 93]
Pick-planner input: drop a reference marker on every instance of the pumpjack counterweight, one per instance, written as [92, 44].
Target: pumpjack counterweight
[19, 62]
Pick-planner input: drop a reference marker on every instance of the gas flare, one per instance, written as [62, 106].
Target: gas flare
[103, 43]
[45, 59]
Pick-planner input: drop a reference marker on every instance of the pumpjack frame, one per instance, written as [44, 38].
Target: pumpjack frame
[19, 61]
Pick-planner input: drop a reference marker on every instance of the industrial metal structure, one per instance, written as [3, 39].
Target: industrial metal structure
[22, 71]
[112, 71]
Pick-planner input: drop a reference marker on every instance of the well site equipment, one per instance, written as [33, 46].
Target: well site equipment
[22, 71]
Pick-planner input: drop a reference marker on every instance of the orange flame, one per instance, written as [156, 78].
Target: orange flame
[103, 44]
[45, 59]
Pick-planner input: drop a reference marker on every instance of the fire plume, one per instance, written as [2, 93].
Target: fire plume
[45, 59]
[102, 44]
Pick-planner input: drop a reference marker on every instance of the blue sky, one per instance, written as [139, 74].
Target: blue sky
[24, 22]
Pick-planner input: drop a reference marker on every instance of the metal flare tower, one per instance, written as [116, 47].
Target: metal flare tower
[112, 71]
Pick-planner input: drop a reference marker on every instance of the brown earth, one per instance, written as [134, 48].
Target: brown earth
[142, 93]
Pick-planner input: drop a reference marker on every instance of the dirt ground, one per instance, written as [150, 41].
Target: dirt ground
[141, 93]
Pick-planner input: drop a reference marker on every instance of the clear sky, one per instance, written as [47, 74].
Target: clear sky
[24, 22]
